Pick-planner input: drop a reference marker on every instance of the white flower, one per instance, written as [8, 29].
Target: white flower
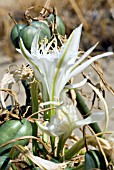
[54, 67]
[66, 120]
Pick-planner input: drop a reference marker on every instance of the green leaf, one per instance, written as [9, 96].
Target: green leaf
[94, 159]
[101, 160]
[4, 162]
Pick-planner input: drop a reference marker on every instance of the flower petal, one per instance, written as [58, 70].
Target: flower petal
[77, 85]
[70, 50]
[45, 129]
[35, 46]
[95, 117]
[66, 54]
[80, 68]
[25, 52]
[85, 55]
[33, 63]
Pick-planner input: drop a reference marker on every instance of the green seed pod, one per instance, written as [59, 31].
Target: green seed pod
[45, 31]
[13, 129]
[57, 20]
[27, 34]
[14, 35]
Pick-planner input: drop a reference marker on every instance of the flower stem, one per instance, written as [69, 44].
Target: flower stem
[85, 112]
[34, 101]
[52, 139]
[47, 116]
[60, 147]
[77, 147]
[73, 150]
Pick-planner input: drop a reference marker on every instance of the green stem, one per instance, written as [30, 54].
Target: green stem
[74, 150]
[13, 166]
[60, 146]
[52, 139]
[47, 117]
[50, 113]
[85, 112]
[34, 99]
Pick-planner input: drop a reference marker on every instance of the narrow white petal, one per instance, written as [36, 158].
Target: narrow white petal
[65, 56]
[85, 55]
[95, 117]
[35, 46]
[33, 63]
[61, 81]
[25, 52]
[71, 47]
[80, 68]
[18, 50]
[74, 46]
[29, 57]
[45, 129]
[77, 85]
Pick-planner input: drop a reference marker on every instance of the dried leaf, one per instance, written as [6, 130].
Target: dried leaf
[97, 67]
[42, 163]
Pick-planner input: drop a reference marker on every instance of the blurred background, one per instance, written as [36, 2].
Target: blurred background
[98, 26]
[97, 18]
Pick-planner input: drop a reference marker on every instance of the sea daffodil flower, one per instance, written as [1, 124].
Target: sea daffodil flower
[54, 66]
[66, 120]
